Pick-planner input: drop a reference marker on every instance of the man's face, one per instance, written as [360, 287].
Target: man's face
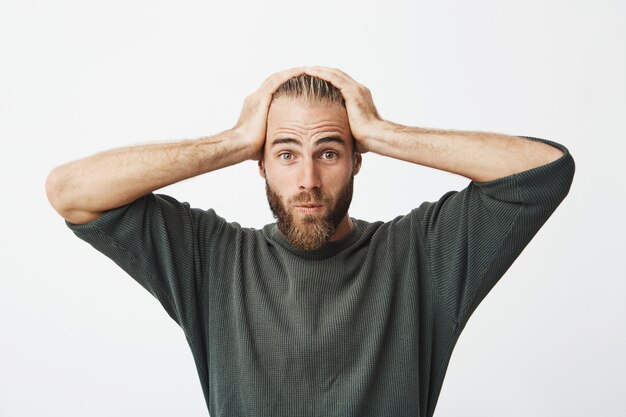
[309, 165]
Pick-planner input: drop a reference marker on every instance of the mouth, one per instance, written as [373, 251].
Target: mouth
[309, 208]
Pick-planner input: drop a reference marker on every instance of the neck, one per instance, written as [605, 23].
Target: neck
[343, 228]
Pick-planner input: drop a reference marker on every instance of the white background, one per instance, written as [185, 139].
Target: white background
[78, 337]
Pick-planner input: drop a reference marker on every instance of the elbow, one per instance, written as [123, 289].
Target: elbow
[56, 185]
[59, 190]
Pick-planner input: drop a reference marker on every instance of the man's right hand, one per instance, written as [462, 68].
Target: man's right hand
[252, 123]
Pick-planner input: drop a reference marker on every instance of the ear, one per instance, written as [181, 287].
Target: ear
[358, 159]
[261, 168]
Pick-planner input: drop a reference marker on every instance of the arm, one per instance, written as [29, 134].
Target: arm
[82, 190]
[469, 238]
[479, 156]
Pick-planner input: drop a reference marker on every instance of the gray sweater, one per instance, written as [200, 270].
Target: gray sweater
[364, 326]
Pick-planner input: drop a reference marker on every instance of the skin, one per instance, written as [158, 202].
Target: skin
[82, 190]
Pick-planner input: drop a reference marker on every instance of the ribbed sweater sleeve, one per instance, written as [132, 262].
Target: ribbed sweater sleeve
[160, 242]
[471, 237]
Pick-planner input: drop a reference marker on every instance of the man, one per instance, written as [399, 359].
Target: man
[319, 314]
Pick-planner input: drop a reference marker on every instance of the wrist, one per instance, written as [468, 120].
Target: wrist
[377, 133]
[249, 145]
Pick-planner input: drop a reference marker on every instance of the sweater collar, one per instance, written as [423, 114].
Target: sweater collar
[327, 250]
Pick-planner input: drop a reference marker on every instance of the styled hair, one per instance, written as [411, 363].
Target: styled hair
[310, 88]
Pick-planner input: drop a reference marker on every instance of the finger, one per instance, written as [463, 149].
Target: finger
[275, 80]
[336, 71]
[350, 89]
[338, 78]
[264, 94]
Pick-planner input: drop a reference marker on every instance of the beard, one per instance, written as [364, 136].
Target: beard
[310, 232]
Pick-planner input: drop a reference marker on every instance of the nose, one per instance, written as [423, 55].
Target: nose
[308, 175]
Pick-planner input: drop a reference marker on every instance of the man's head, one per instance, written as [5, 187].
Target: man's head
[309, 162]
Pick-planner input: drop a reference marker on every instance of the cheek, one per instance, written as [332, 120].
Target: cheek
[340, 176]
[278, 181]
[273, 175]
[278, 174]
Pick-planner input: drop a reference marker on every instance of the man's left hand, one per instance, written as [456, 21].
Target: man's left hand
[362, 114]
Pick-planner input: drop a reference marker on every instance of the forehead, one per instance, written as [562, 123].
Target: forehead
[300, 116]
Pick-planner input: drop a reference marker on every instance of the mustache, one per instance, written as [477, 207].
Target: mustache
[314, 196]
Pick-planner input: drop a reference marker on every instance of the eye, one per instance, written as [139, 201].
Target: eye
[285, 156]
[329, 155]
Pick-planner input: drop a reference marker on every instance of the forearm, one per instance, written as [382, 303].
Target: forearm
[479, 156]
[82, 190]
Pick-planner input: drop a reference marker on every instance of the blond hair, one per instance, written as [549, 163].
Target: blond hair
[310, 88]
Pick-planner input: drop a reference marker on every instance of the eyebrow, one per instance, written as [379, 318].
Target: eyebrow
[325, 139]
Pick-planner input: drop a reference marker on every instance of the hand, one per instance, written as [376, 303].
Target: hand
[252, 123]
[362, 114]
